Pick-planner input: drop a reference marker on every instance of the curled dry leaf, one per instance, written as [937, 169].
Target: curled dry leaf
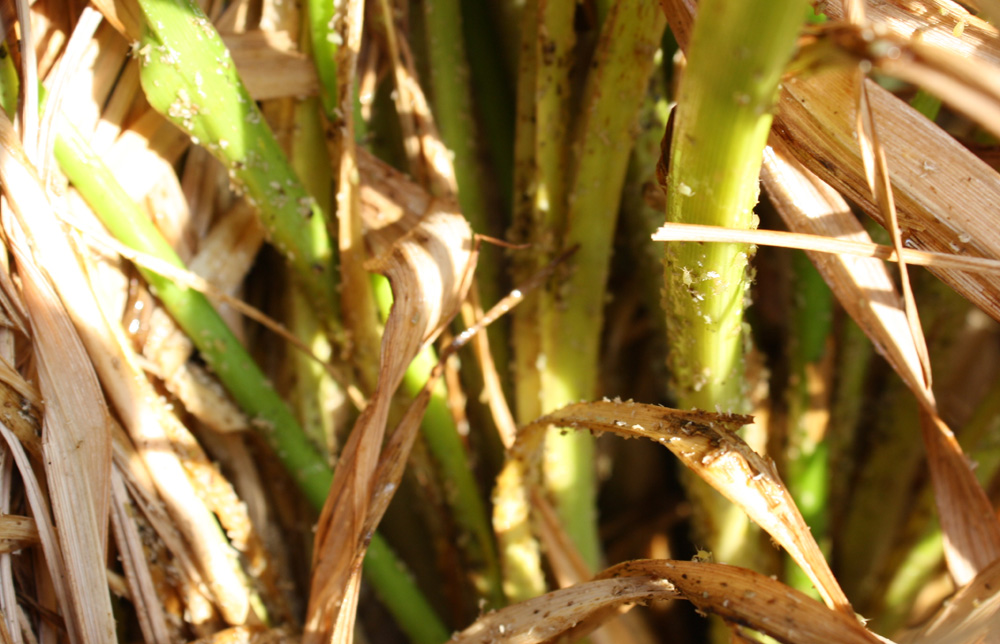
[972, 615]
[429, 269]
[738, 595]
[707, 444]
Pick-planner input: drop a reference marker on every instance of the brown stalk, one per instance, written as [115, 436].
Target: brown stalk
[818, 244]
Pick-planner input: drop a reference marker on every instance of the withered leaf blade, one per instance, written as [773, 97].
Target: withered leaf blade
[76, 440]
[738, 595]
[867, 292]
[971, 615]
[429, 269]
[707, 444]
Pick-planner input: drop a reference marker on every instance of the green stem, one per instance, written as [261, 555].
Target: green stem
[9, 82]
[492, 90]
[569, 456]
[571, 326]
[221, 350]
[926, 103]
[188, 76]
[524, 327]
[323, 40]
[737, 54]
[320, 401]
[454, 115]
[807, 473]
[519, 549]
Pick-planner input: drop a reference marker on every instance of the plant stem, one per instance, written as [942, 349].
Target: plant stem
[737, 54]
[494, 100]
[323, 40]
[569, 478]
[319, 400]
[524, 326]
[807, 473]
[723, 117]
[572, 320]
[9, 82]
[188, 76]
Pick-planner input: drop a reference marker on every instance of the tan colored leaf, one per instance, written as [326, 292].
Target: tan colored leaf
[942, 190]
[149, 611]
[807, 205]
[271, 65]
[867, 292]
[76, 436]
[429, 270]
[707, 444]
[738, 595]
[39, 506]
[972, 615]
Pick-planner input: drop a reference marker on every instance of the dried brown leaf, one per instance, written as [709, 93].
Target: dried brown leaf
[271, 65]
[707, 444]
[429, 271]
[142, 591]
[144, 495]
[738, 595]
[39, 506]
[971, 616]
[868, 294]
[76, 437]
[942, 191]
[864, 287]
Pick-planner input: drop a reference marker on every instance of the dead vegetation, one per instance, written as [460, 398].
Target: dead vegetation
[212, 438]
